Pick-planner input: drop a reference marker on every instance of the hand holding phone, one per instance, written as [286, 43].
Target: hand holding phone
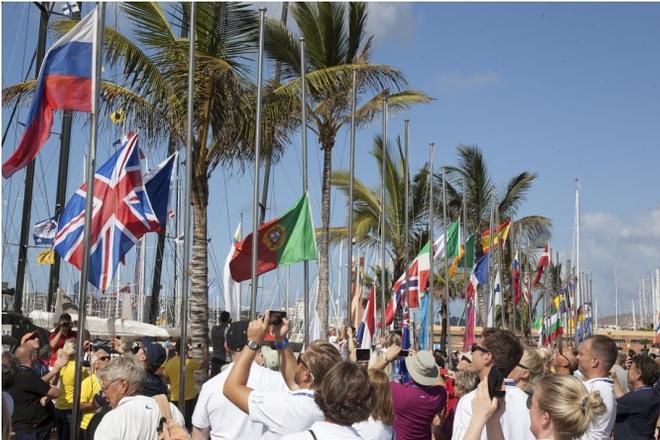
[495, 380]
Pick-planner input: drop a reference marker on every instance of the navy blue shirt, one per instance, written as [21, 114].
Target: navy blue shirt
[636, 414]
[154, 385]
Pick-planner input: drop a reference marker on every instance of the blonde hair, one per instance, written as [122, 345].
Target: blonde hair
[546, 355]
[571, 407]
[533, 362]
[384, 408]
[464, 382]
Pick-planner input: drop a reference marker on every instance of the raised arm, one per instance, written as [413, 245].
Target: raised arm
[285, 352]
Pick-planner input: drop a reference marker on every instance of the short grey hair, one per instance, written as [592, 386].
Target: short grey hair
[125, 368]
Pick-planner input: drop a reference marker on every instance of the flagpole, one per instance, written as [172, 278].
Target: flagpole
[431, 312]
[465, 235]
[187, 203]
[89, 205]
[445, 318]
[406, 221]
[305, 179]
[257, 153]
[351, 189]
[382, 222]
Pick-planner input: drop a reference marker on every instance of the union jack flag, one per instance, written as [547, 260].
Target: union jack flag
[121, 215]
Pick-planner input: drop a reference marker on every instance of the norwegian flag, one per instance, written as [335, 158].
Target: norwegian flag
[121, 214]
[515, 273]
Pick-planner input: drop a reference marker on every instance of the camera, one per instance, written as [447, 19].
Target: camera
[404, 353]
[362, 354]
[276, 317]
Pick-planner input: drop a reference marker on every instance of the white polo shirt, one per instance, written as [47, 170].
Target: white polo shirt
[515, 420]
[602, 427]
[135, 418]
[284, 413]
[225, 420]
[325, 431]
[371, 429]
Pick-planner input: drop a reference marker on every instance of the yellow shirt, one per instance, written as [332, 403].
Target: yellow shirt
[65, 398]
[89, 388]
[171, 368]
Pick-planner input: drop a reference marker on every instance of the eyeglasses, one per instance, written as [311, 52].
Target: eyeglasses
[464, 358]
[477, 347]
[104, 358]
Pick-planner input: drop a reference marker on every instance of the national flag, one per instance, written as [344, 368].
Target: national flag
[465, 258]
[44, 231]
[478, 276]
[515, 274]
[121, 214]
[497, 300]
[232, 289]
[281, 241]
[553, 328]
[65, 82]
[499, 236]
[423, 320]
[46, 257]
[401, 370]
[157, 184]
[367, 328]
[418, 277]
[70, 8]
[453, 243]
[543, 262]
[527, 290]
[358, 292]
[126, 288]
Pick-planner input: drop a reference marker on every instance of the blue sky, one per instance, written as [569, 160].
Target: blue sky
[565, 90]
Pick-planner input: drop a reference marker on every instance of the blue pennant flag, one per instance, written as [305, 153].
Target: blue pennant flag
[157, 183]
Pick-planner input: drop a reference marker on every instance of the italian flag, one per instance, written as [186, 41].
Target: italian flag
[281, 241]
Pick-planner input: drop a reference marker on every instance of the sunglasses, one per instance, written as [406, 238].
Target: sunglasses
[477, 347]
[464, 358]
[104, 358]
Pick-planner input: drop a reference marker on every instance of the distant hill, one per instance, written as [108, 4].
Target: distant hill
[625, 321]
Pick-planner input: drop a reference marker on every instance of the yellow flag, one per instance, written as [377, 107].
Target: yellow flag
[117, 117]
[46, 257]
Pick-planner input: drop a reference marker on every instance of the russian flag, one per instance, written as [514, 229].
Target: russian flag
[366, 331]
[65, 82]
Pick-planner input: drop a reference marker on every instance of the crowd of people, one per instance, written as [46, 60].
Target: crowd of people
[258, 386]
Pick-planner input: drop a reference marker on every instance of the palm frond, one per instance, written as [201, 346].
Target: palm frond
[515, 194]
[395, 102]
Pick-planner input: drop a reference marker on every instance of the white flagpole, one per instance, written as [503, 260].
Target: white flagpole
[431, 312]
[349, 220]
[445, 318]
[305, 178]
[89, 205]
[382, 223]
[185, 274]
[257, 153]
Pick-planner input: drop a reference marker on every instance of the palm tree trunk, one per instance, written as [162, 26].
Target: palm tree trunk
[199, 325]
[322, 303]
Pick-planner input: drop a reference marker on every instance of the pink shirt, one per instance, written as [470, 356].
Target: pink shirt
[414, 408]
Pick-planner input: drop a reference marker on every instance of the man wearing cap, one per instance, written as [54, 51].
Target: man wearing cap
[152, 355]
[501, 348]
[217, 417]
[417, 402]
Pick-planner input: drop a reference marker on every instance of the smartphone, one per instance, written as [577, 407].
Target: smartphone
[362, 354]
[276, 317]
[403, 353]
[495, 379]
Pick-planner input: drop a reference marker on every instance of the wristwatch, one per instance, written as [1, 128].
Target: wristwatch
[252, 344]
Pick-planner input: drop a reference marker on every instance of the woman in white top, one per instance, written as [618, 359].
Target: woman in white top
[345, 397]
[379, 424]
[560, 408]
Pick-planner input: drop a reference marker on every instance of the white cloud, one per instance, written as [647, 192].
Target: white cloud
[632, 246]
[391, 22]
[457, 82]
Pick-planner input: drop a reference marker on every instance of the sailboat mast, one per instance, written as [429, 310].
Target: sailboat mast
[578, 289]
[431, 312]
[29, 174]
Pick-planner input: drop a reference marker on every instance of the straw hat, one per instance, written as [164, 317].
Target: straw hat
[422, 368]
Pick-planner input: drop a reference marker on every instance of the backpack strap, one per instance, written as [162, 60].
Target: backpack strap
[165, 411]
[313, 435]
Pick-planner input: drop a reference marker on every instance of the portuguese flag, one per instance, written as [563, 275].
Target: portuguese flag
[282, 241]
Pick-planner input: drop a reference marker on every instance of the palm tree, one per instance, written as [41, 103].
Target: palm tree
[153, 92]
[528, 232]
[367, 206]
[337, 42]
